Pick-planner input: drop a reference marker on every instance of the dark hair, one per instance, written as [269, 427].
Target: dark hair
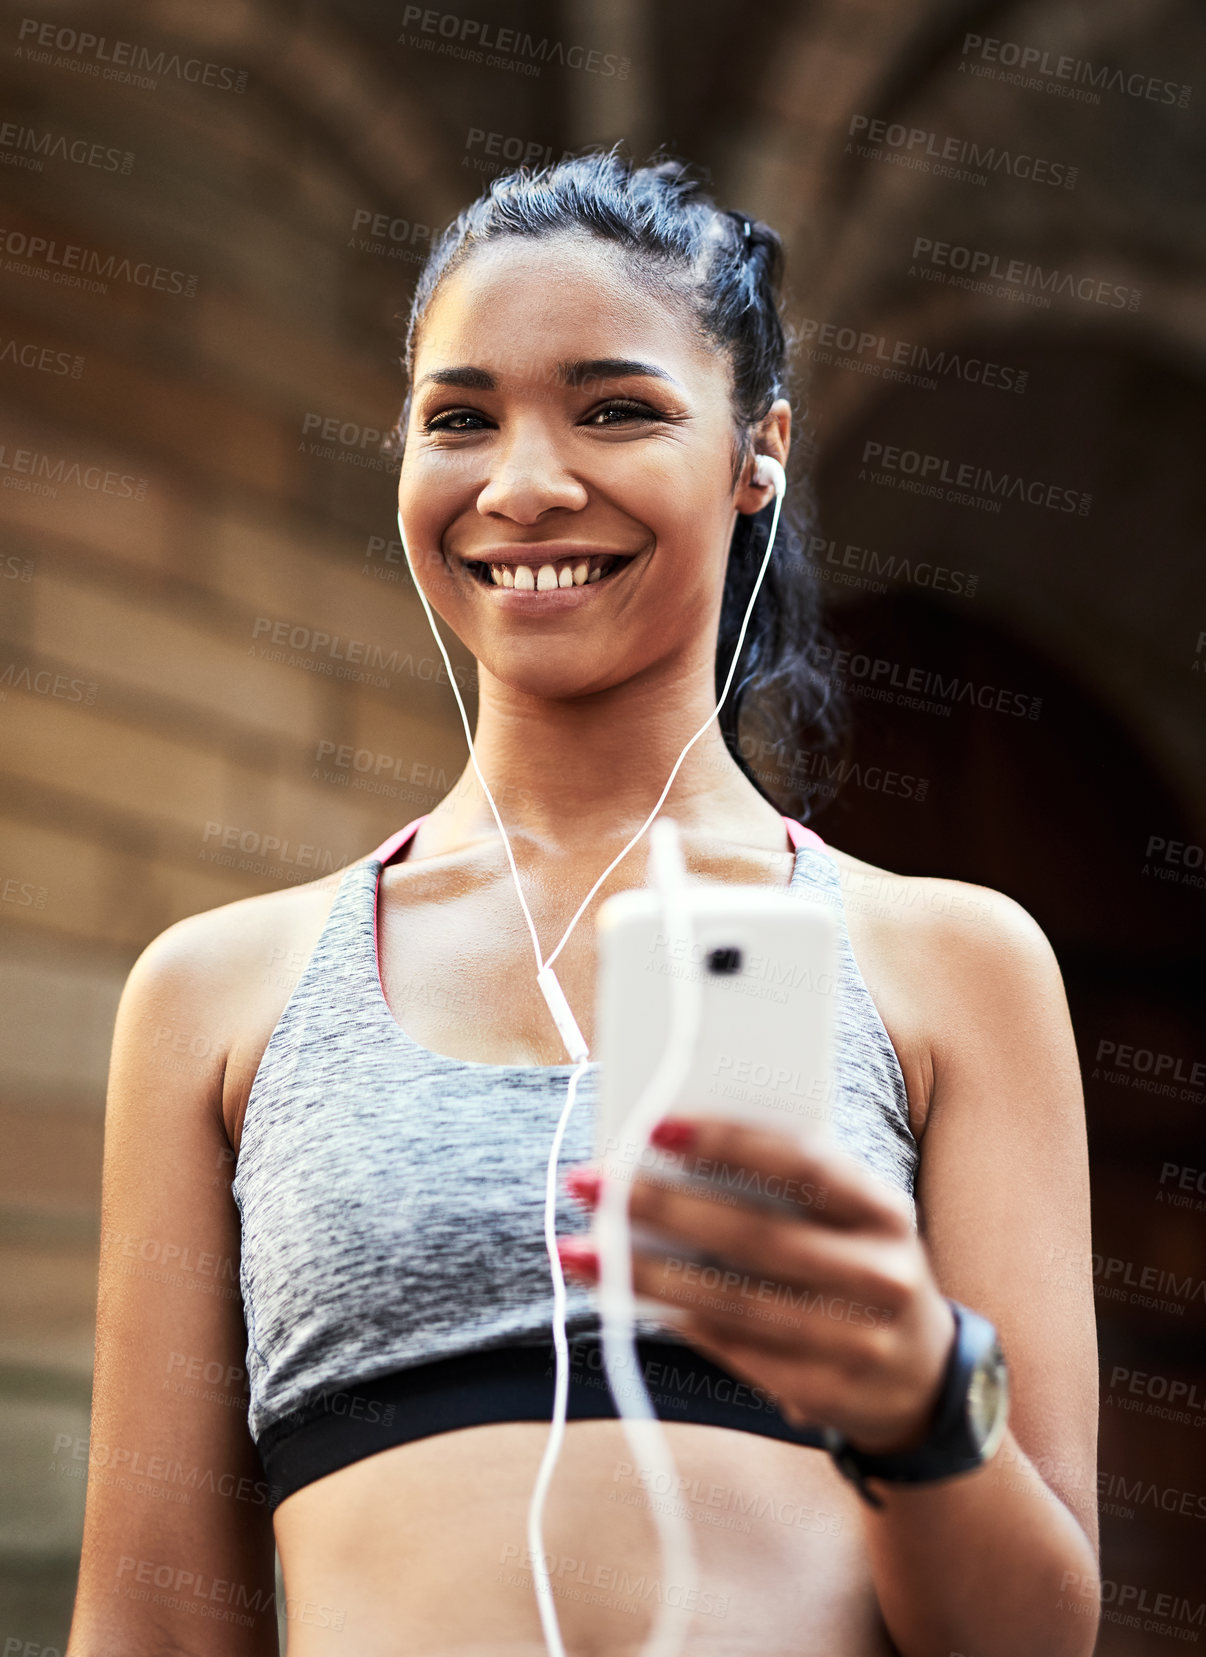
[730, 268]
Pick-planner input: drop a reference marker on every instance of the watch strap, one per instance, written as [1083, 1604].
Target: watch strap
[947, 1449]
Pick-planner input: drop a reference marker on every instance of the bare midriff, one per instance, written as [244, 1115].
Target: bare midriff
[422, 1549]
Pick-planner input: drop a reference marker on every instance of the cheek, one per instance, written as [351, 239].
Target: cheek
[423, 494]
[429, 502]
[425, 516]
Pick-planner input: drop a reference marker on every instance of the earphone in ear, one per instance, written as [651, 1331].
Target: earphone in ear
[768, 470]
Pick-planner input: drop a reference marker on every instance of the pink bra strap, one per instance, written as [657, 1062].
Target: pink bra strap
[391, 847]
[801, 836]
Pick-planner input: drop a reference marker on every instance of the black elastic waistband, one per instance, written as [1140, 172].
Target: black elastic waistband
[510, 1383]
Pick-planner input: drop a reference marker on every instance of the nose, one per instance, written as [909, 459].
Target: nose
[528, 477]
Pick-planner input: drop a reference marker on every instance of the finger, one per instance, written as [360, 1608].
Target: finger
[746, 1162]
[772, 1316]
[711, 1309]
[768, 1250]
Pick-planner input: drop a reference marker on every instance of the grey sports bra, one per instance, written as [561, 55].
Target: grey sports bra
[393, 1269]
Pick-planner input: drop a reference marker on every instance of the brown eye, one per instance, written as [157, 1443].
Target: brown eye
[628, 410]
[444, 422]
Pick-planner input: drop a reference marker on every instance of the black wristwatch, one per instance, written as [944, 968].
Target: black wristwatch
[967, 1425]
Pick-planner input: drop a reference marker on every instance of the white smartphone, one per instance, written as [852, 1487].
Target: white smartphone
[765, 965]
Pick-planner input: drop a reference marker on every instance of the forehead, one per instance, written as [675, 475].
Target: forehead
[520, 303]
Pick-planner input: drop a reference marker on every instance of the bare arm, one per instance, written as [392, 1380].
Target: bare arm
[178, 1546]
[1006, 1559]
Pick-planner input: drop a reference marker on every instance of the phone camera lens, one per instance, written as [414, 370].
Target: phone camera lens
[724, 960]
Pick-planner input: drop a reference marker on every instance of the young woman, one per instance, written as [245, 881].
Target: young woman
[596, 361]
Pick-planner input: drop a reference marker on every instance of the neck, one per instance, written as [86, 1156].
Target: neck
[585, 772]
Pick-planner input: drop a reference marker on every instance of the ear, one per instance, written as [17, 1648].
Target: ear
[772, 436]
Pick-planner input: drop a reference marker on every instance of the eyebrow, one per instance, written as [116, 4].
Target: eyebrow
[570, 373]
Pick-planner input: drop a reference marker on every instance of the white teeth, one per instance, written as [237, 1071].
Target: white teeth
[547, 577]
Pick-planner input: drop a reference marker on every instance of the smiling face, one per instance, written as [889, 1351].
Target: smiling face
[567, 487]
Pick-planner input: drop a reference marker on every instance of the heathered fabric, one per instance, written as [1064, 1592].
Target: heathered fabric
[392, 1198]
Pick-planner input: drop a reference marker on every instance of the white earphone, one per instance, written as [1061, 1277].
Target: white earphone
[636, 1412]
[768, 470]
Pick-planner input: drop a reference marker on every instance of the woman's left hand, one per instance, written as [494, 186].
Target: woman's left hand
[832, 1308]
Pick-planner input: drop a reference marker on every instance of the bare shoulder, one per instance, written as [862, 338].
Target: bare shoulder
[207, 992]
[956, 972]
[952, 926]
[208, 945]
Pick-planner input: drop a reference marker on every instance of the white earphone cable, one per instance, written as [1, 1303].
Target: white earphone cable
[615, 1288]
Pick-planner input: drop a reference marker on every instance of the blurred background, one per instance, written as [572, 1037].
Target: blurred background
[215, 211]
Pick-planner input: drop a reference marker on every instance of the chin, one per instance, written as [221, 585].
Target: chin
[542, 669]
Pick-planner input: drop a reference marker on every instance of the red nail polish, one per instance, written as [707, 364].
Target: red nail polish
[584, 1185]
[673, 1135]
[578, 1257]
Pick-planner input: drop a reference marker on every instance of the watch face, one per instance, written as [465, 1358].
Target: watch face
[987, 1400]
